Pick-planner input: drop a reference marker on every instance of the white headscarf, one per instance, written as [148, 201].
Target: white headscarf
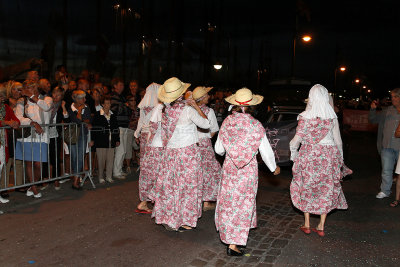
[318, 104]
[150, 98]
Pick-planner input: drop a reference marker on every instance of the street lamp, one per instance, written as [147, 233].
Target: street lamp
[341, 69]
[217, 65]
[357, 80]
[306, 39]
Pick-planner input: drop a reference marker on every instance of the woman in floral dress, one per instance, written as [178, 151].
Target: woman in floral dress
[318, 165]
[177, 193]
[147, 176]
[211, 169]
[241, 136]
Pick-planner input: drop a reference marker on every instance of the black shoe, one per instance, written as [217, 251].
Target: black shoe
[76, 188]
[4, 195]
[183, 229]
[232, 252]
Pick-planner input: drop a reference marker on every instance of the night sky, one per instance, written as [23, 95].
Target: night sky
[245, 36]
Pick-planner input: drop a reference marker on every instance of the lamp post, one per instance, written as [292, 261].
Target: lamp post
[304, 38]
[341, 69]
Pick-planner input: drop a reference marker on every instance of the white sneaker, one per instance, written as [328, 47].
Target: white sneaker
[120, 177]
[29, 193]
[39, 195]
[381, 195]
[3, 200]
[102, 181]
[110, 180]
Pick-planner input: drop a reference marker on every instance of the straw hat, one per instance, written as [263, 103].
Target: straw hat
[171, 90]
[244, 97]
[200, 91]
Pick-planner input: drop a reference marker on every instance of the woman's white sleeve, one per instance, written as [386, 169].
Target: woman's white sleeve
[219, 148]
[45, 104]
[140, 124]
[213, 121]
[336, 136]
[294, 146]
[267, 154]
[197, 119]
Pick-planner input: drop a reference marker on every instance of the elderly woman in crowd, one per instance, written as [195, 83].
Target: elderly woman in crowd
[7, 118]
[57, 112]
[241, 136]
[317, 168]
[34, 111]
[78, 113]
[211, 169]
[177, 193]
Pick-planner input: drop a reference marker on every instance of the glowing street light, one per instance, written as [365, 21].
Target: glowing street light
[306, 38]
[217, 65]
[364, 86]
[357, 80]
[342, 69]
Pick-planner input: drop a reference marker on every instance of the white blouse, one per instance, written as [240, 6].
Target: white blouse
[33, 114]
[331, 139]
[213, 125]
[267, 154]
[143, 123]
[185, 133]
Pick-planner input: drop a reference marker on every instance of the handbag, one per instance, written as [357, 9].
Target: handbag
[71, 134]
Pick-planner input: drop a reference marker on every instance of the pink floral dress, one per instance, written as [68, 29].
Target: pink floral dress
[235, 213]
[144, 136]
[177, 193]
[210, 167]
[317, 170]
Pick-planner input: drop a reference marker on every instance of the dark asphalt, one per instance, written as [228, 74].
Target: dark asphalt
[99, 227]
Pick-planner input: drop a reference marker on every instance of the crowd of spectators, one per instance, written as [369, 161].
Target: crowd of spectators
[108, 109]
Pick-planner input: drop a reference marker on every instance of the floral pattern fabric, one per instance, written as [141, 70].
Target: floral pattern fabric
[241, 136]
[177, 193]
[210, 170]
[317, 170]
[169, 120]
[235, 213]
[149, 170]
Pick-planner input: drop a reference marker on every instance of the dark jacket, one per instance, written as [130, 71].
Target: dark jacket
[101, 131]
[120, 110]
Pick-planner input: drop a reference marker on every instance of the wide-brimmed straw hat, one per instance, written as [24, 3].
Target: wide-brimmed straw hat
[200, 91]
[171, 90]
[244, 97]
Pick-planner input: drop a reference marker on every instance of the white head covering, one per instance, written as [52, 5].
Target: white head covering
[150, 98]
[318, 104]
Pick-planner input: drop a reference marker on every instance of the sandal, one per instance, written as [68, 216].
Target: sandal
[395, 203]
[305, 230]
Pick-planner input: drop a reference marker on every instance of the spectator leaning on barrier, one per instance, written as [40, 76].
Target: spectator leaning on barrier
[13, 94]
[121, 111]
[105, 135]
[33, 110]
[57, 112]
[7, 118]
[78, 113]
[388, 145]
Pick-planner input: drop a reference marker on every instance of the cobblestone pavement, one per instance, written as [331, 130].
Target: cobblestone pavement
[277, 223]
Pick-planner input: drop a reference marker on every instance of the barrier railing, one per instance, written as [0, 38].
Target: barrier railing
[57, 138]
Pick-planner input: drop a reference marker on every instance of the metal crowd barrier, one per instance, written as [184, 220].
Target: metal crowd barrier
[64, 128]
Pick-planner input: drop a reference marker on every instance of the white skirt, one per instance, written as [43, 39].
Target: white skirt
[397, 171]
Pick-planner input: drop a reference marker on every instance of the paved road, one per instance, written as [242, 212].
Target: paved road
[99, 228]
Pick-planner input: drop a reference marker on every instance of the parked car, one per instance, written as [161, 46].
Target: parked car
[280, 126]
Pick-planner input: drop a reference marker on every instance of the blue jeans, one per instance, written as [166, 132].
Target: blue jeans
[77, 152]
[389, 159]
